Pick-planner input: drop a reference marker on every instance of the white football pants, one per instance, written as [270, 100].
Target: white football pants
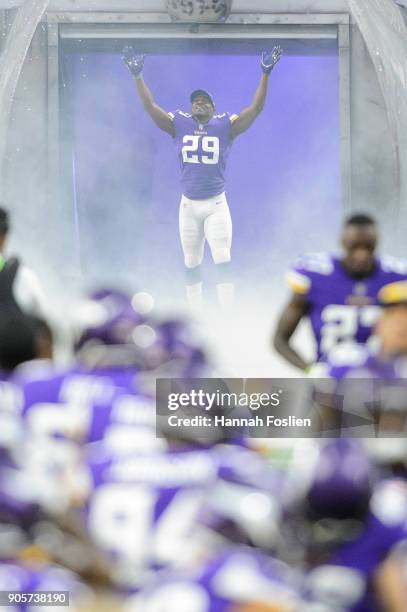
[201, 220]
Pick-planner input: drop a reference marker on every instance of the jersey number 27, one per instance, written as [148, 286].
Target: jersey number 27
[341, 322]
[210, 150]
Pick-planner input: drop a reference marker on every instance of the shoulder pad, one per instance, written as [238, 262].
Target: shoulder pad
[299, 283]
[319, 263]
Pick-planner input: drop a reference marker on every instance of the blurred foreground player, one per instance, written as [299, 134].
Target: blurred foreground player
[160, 508]
[338, 295]
[203, 139]
[107, 393]
[346, 531]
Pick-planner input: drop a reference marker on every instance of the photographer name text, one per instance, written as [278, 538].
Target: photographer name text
[223, 421]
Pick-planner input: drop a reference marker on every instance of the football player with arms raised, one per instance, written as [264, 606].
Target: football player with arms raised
[202, 139]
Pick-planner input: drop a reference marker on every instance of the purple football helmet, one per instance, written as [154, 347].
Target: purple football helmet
[106, 317]
[342, 484]
[175, 350]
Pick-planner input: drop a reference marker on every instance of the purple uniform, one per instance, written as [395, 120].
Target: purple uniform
[77, 385]
[84, 405]
[345, 580]
[237, 576]
[128, 421]
[203, 152]
[54, 402]
[57, 410]
[136, 501]
[61, 411]
[342, 308]
[143, 508]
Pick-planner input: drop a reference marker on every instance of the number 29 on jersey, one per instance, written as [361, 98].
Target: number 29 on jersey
[209, 146]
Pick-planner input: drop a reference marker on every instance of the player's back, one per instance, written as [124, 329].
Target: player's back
[53, 400]
[151, 508]
[143, 507]
[59, 412]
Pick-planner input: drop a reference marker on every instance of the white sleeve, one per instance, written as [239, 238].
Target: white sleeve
[29, 294]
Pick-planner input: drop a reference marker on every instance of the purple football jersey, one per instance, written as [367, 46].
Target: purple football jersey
[203, 151]
[127, 422]
[136, 501]
[57, 402]
[57, 407]
[80, 406]
[342, 308]
[76, 385]
[143, 508]
[58, 416]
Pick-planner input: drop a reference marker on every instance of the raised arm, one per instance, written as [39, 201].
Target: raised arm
[292, 314]
[247, 116]
[135, 64]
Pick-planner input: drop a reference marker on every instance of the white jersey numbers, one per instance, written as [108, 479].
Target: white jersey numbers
[340, 322]
[210, 148]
